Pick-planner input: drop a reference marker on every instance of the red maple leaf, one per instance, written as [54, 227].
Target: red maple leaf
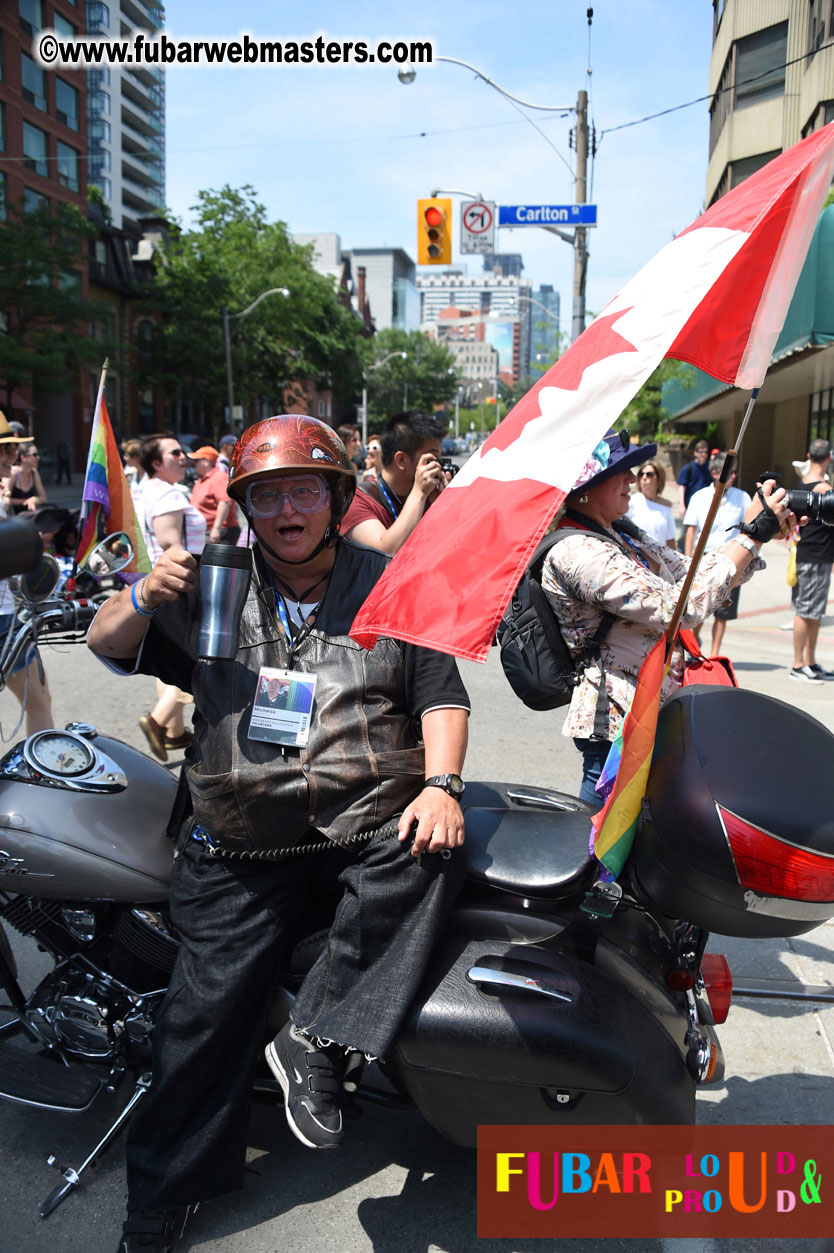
[599, 341]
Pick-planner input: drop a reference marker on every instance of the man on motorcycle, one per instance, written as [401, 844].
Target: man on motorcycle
[259, 799]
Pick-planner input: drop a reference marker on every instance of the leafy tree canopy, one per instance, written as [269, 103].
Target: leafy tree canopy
[45, 323]
[424, 379]
[646, 415]
[228, 259]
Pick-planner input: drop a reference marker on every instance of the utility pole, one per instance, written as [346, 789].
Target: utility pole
[580, 250]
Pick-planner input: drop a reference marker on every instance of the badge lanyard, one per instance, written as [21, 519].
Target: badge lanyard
[295, 637]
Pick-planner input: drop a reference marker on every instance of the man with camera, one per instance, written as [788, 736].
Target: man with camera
[383, 514]
[814, 555]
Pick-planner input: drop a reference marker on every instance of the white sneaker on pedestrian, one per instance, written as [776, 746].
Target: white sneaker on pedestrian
[786, 626]
[805, 674]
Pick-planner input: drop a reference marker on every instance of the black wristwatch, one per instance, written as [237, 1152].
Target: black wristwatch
[451, 783]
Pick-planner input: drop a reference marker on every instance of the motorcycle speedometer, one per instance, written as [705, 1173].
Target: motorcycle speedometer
[59, 754]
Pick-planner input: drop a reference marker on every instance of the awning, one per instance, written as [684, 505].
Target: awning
[809, 324]
[18, 402]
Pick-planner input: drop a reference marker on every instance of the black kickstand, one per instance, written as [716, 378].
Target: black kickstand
[72, 1177]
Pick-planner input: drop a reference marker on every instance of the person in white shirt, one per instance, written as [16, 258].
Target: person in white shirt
[726, 526]
[168, 519]
[648, 509]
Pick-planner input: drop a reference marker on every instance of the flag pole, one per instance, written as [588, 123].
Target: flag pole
[718, 494]
[86, 505]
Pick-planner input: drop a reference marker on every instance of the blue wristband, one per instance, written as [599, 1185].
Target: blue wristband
[143, 613]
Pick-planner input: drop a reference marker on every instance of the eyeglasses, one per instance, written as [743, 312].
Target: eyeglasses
[308, 493]
[647, 474]
[31, 454]
[177, 452]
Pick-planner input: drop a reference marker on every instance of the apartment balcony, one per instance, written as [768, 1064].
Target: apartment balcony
[138, 200]
[140, 145]
[149, 99]
[148, 180]
[147, 127]
[146, 16]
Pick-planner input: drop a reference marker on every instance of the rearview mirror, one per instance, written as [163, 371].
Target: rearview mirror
[110, 556]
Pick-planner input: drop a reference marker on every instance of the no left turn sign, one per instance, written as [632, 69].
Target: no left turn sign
[477, 226]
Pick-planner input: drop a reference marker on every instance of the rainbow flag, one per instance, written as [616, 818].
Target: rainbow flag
[107, 505]
[626, 769]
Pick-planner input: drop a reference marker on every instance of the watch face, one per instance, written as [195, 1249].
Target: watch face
[455, 784]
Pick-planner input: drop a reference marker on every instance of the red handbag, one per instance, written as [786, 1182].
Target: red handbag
[715, 670]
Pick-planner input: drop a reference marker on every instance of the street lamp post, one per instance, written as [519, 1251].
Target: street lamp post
[227, 317]
[532, 300]
[578, 240]
[365, 374]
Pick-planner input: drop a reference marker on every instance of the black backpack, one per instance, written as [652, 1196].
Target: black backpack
[536, 660]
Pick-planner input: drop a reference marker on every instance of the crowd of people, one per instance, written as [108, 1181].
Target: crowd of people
[361, 796]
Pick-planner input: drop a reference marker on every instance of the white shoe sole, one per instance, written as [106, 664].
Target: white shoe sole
[278, 1071]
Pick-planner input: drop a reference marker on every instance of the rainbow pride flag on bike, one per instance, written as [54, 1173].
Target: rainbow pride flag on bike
[623, 779]
[107, 505]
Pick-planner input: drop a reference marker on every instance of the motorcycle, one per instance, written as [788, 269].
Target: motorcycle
[553, 997]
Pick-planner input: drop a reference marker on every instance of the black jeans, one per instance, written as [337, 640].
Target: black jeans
[234, 920]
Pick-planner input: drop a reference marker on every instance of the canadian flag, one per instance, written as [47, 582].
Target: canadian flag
[716, 297]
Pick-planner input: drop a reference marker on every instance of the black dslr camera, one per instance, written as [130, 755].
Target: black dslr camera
[448, 466]
[817, 506]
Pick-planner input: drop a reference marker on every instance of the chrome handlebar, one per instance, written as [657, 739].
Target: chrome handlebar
[51, 617]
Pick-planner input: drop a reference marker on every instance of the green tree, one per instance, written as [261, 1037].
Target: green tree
[645, 415]
[424, 379]
[44, 331]
[228, 259]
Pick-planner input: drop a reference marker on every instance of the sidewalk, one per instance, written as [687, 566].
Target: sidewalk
[763, 655]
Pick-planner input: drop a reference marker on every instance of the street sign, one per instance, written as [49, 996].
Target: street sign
[477, 226]
[547, 215]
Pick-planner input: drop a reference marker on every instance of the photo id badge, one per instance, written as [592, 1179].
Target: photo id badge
[283, 707]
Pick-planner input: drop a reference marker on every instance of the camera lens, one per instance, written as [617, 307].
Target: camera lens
[818, 506]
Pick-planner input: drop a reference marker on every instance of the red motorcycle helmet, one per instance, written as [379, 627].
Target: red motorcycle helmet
[292, 441]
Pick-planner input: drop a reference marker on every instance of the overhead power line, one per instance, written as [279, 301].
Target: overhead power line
[712, 95]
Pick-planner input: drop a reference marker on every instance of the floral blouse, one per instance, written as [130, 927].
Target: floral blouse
[585, 575]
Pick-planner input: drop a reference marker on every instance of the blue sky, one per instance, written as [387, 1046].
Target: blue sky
[340, 148]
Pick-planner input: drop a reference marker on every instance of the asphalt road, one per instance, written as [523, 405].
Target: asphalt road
[397, 1185]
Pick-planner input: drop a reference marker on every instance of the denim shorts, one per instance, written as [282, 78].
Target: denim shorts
[28, 654]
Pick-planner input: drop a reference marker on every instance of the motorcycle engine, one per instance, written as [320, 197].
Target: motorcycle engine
[90, 1016]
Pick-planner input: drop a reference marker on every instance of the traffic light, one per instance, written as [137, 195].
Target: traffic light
[434, 232]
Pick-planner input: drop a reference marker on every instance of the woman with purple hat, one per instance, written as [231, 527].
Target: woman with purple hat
[605, 564]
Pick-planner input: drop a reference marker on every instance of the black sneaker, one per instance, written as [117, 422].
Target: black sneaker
[311, 1082]
[805, 674]
[820, 673]
[154, 1231]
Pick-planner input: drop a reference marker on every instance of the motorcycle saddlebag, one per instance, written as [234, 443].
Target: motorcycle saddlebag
[553, 1041]
[737, 830]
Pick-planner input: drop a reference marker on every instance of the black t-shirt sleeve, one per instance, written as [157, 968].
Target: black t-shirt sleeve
[431, 679]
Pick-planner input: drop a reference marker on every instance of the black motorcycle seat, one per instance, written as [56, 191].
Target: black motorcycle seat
[527, 847]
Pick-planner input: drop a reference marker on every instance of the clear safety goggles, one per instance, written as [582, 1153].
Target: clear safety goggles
[307, 493]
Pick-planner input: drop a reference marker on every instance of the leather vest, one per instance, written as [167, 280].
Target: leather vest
[363, 762]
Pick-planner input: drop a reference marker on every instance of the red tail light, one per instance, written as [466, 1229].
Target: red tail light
[680, 979]
[771, 866]
[719, 984]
